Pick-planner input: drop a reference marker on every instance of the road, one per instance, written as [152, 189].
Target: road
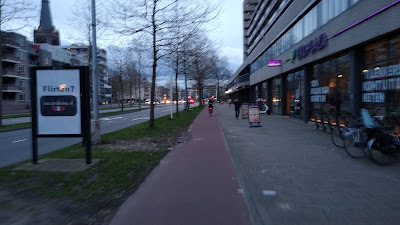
[16, 145]
[28, 118]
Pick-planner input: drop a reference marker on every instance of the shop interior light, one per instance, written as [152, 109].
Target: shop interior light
[340, 76]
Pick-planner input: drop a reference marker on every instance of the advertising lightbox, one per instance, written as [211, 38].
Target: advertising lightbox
[59, 101]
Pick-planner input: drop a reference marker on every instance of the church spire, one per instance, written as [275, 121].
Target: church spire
[46, 32]
[45, 16]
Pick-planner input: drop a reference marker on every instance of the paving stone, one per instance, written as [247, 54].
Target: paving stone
[316, 182]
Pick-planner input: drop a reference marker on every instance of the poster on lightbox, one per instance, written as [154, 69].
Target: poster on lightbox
[254, 114]
[59, 102]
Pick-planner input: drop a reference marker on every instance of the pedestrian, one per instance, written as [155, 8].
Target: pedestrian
[237, 104]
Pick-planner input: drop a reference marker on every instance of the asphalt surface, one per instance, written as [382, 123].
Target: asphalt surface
[16, 146]
[194, 184]
[28, 118]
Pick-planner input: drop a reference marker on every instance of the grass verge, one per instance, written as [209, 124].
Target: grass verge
[16, 116]
[120, 112]
[15, 126]
[28, 124]
[104, 186]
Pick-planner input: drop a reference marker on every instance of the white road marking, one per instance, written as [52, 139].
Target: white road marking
[269, 192]
[115, 118]
[142, 118]
[19, 141]
[198, 139]
[285, 206]
[240, 191]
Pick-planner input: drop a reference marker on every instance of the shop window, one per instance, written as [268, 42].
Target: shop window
[376, 52]
[380, 79]
[276, 96]
[394, 47]
[330, 86]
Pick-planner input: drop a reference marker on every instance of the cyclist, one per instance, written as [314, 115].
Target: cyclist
[210, 106]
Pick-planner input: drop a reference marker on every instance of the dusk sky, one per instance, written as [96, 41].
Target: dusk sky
[228, 35]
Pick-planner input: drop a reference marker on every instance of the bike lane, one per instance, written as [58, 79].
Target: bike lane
[194, 184]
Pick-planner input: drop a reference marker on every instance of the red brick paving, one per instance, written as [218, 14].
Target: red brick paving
[194, 184]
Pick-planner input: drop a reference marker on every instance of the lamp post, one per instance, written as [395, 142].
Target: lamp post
[96, 122]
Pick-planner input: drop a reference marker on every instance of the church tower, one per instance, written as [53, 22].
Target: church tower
[46, 32]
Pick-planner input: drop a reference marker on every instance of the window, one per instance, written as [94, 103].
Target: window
[21, 41]
[276, 95]
[46, 61]
[394, 47]
[21, 55]
[21, 69]
[22, 97]
[21, 83]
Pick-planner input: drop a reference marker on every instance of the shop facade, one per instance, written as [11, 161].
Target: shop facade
[332, 56]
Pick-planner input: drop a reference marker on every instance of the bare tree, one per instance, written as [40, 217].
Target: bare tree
[18, 13]
[197, 60]
[157, 18]
[118, 71]
[220, 73]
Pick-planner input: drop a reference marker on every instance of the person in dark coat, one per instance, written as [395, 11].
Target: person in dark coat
[237, 104]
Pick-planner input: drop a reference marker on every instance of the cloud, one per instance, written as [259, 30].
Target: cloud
[234, 55]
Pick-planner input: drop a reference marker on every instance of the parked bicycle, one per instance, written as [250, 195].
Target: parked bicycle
[384, 138]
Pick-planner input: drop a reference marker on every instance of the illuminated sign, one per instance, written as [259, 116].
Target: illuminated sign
[273, 63]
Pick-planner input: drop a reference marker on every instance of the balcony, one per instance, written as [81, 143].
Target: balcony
[11, 88]
[11, 73]
[11, 44]
[11, 58]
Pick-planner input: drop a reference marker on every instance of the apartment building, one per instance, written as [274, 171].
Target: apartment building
[306, 56]
[15, 73]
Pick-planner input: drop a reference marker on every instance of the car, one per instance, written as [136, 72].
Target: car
[191, 101]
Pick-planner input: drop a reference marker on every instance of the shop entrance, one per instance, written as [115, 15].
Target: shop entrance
[295, 95]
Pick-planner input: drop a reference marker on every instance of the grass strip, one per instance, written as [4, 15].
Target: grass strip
[120, 112]
[28, 124]
[163, 126]
[16, 116]
[15, 126]
[116, 173]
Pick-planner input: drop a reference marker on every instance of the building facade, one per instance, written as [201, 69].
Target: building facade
[15, 71]
[307, 56]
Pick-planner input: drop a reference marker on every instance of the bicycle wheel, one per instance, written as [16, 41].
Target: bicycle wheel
[378, 156]
[315, 117]
[364, 141]
[352, 143]
[325, 122]
[337, 138]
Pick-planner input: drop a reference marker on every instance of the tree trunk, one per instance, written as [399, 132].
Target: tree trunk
[1, 75]
[122, 95]
[153, 77]
[1, 83]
